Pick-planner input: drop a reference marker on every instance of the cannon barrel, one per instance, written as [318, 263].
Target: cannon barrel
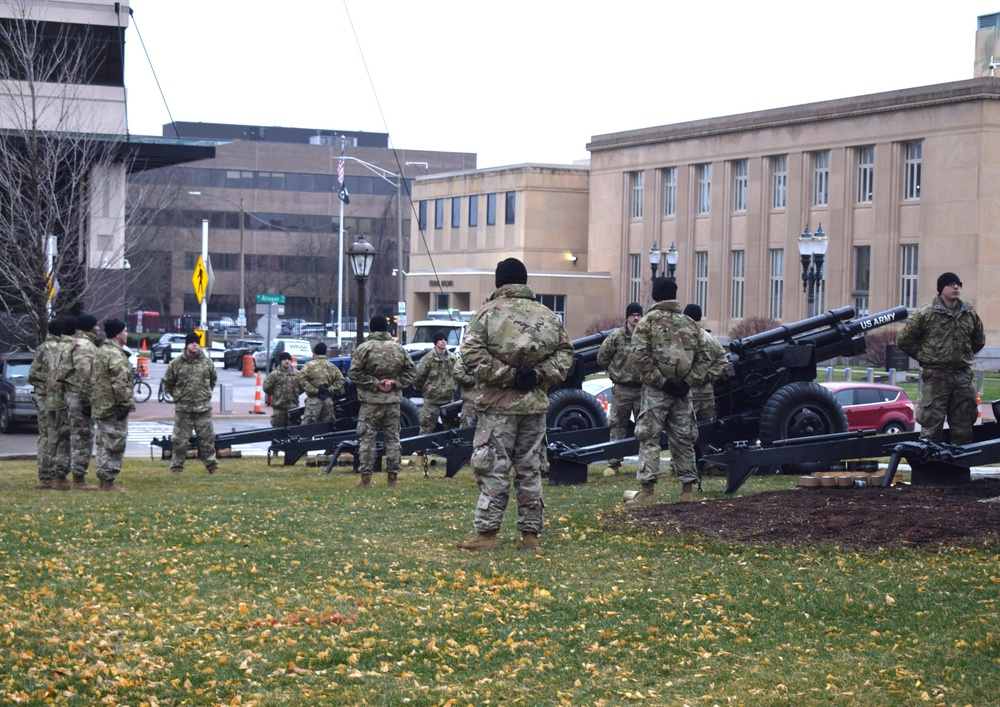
[835, 336]
[788, 332]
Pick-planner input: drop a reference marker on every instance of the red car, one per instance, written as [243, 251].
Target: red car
[874, 406]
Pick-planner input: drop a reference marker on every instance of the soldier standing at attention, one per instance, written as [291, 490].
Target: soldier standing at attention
[944, 336]
[189, 380]
[112, 398]
[467, 381]
[436, 382]
[518, 349]
[75, 374]
[58, 449]
[615, 355]
[380, 368]
[38, 376]
[320, 380]
[703, 394]
[284, 387]
[668, 350]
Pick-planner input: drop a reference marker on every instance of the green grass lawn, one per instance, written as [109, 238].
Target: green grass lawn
[273, 586]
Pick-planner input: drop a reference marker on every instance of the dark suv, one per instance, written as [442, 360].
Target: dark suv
[17, 396]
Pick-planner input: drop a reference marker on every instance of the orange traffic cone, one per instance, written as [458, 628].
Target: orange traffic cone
[979, 409]
[256, 398]
[143, 344]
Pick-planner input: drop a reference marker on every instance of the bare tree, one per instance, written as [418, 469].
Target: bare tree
[315, 257]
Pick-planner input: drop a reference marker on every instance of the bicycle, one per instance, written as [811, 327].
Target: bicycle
[162, 395]
[142, 388]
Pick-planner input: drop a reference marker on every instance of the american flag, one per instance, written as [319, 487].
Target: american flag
[340, 167]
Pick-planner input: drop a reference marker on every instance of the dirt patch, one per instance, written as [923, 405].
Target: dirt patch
[863, 518]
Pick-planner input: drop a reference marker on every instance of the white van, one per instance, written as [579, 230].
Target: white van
[424, 331]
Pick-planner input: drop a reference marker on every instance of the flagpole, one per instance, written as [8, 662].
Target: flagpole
[340, 256]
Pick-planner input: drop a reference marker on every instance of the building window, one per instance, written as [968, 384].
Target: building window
[779, 181]
[862, 279]
[777, 284]
[821, 178]
[634, 277]
[491, 209]
[866, 174]
[509, 204]
[557, 303]
[908, 273]
[637, 182]
[701, 279]
[422, 216]
[474, 210]
[439, 213]
[739, 282]
[456, 212]
[442, 301]
[740, 184]
[704, 188]
[669, 192]
[911, 178]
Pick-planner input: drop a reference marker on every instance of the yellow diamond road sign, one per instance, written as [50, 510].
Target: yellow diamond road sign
[200, 279]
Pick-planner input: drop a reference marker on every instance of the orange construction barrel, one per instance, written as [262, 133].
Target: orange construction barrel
[142, 365]
[248, 365]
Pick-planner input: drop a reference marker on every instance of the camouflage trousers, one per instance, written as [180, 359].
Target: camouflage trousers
[626, 402]
[111, 437]
[661, 411]
[44, 463]
[429, 414]
[947, 395]
[469, 414]
[704, 411]
[81, 436]
[318, 410]
[502, 441]
[201, 423]
[279, 417]
[57, 444]
[371, 418]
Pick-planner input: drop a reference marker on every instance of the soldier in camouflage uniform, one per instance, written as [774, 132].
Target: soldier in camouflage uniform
[380, 368]
[671, 358]
[38, 376]
[436, 382]
[518, 349]
[58, 449]
[75, 374]
[284, 387]
[112, 398]
[189, 380]
[466, 379]
[703, 394]
[944, 336]
[615, 355]
[321, 381]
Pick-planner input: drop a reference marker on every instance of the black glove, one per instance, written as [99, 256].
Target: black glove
[85, 410]
[706, 380]
[525, 378]
[323, 394]
[121, 414]
[678, 389]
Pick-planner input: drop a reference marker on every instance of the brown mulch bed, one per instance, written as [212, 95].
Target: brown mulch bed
[862, 518]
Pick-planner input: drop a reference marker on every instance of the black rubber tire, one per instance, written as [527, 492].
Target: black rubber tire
[894, 427]
[6, 424]
[801, 409]
[409, 414]
[571, 409]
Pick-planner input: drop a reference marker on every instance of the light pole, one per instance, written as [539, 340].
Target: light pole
[654, 258]
[243, 295]
[812, 249]
[362, 254]
[671, 260]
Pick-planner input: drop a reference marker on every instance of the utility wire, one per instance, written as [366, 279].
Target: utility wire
[155, 78]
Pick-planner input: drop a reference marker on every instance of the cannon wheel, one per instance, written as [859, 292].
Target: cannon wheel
[572, 409]
[409, 413]
[801, 409]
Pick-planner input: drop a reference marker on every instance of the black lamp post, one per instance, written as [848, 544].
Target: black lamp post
[812, 249]
[671, 260]
[362, 254]
[654, 258]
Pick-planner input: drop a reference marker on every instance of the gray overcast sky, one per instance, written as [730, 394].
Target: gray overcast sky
[526, 80]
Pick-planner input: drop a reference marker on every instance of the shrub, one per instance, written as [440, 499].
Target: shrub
[752, 325]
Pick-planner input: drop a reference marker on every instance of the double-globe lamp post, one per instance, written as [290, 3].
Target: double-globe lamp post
[655, 254]
[812, 249]
[243, 295]
[362, 254]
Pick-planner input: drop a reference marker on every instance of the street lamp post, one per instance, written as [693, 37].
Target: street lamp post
[243, 296]
[654, 258]
[362, 254]
[812, 249]
[671, 260]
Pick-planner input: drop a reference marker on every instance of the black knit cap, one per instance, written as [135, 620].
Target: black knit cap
[86, 322]
[378, 323]
[693, 311]
[664, 288]
[113, 327]
[55, 327]
[69, 326]
[511, 272]
[284, 356]
[633, 308]
[320, 349]
[946, 279]
[440, 336]
[192, 338]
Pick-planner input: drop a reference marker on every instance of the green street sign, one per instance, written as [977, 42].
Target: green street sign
[270, 299]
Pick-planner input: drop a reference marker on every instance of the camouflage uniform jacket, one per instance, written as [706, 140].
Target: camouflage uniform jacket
[941, 338]
[55, 389]
[667, 346]
[190, 382]
[513, 329]
[718, 366]
[284, 388]
[75, 369]
[320, 373]
[617, 358]
[436, 377]
[377, 358]
[112, 381]
[38, 373]
[466, 379]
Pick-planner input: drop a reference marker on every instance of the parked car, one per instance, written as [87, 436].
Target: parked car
[167, 347]
[300, 350]
[874, 406]
[600, 388]
[233, 355]
[17, 395]
[310, 330]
